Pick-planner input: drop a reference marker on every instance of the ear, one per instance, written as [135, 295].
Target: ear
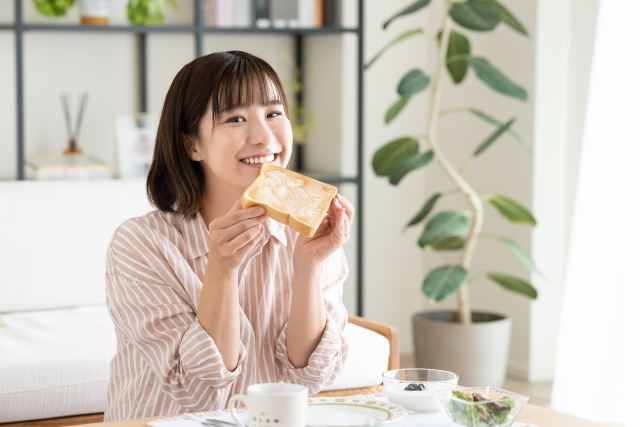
[192, 147]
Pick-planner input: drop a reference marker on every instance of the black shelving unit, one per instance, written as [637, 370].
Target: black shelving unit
[199, 30]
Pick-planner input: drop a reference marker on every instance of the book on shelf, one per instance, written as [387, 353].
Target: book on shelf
[219, 13]
[262, 13]
[284, 13]
[272, 13]
[243, 13]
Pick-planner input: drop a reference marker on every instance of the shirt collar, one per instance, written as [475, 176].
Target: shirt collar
[196, 234]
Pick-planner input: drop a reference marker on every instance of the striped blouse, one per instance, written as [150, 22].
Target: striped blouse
[166, 363]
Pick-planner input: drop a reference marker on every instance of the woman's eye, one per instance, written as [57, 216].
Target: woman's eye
[274, 114]
[236, 119]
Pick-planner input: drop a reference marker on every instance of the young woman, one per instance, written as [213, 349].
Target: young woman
[208, 298]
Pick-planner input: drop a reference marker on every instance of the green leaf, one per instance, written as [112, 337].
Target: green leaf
[495, 79]
[493, 137]
[443, 225]
[449, 244]
[413, 82]
[486, 117]
[389, 154]
[521, 254]
[426, 209]
[475, 15]
[511, 210]
[507, 17]
[443, 281]
[53, 7]
[514, 284]
[395, 109]
[403, 167]
[398, 39]
[414, 7]
[459, 48]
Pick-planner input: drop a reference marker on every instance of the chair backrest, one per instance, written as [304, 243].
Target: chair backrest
[54, 236]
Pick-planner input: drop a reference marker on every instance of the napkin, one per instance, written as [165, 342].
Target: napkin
[195, 419]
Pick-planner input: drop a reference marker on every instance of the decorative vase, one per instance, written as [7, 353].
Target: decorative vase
[95, 12]
[477, 352]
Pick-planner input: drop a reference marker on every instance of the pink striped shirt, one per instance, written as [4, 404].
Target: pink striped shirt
[166, 363]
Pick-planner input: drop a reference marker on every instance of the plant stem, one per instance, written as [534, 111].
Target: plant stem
[453, 110]
[464, 310]
[466, 165]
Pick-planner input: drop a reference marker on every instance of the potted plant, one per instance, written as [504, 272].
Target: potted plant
[147, 12]
[53, 8]
[474, 345]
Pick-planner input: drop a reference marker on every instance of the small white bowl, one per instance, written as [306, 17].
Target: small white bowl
[426, 380]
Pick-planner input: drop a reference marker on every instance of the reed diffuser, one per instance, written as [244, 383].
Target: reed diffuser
[72, 134]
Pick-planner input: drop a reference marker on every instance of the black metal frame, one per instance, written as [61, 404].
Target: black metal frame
[199, 30]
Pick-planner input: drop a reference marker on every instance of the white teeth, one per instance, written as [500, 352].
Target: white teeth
[265, 159]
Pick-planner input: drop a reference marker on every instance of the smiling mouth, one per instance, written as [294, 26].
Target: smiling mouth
[260, 159]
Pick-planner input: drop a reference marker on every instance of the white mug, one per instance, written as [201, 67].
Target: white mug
[273, 405]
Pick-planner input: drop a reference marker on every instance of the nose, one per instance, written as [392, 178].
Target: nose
[259, 132]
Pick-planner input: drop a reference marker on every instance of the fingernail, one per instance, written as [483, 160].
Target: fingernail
[262, 210]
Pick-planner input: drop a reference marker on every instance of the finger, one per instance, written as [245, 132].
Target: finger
[347, 228]
[244, 238]
[236, 229]
[322, 228]
[348, 207]
[235, 216]
[338, 229]
[244, 250]
[334, 208]
[237, 206]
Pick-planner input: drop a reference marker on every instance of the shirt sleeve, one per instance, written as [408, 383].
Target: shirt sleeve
[327, 360]
[150, 309]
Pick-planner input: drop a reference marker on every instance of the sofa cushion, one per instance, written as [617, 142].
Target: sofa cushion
[55, 363]
[60, 230]
[368, 359]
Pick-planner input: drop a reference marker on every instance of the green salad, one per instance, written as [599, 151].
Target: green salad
[490, 414]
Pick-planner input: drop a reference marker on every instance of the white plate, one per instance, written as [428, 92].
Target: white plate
[351, 412]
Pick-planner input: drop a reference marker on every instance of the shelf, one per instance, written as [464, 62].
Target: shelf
[324, 30]
[179, 29]
[198, 31]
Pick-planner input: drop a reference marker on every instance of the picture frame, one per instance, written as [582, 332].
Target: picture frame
[135, 137]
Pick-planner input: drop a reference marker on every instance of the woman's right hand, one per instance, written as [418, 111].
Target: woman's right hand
[234, 235]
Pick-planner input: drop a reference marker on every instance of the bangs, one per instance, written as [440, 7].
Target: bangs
[246, 81]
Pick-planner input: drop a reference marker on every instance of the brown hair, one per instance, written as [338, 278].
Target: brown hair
[223, 79]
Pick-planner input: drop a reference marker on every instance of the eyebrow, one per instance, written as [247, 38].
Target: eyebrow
[267, 104]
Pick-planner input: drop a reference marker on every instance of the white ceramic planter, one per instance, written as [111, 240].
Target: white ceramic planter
[95, 12]
[477, 353]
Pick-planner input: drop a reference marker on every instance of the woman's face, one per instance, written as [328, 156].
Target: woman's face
[232, 151]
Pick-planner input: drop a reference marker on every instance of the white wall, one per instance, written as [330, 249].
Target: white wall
[394, 265]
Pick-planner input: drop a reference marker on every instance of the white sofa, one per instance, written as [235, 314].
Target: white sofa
[57, 339]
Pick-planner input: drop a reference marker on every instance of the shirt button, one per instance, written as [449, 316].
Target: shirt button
[244, 273]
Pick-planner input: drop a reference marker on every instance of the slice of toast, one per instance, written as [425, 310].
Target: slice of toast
[290, 198]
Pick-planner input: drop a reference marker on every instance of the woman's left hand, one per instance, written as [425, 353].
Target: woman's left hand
[332, 233]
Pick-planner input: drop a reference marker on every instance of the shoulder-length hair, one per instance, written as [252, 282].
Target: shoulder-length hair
[224, 80]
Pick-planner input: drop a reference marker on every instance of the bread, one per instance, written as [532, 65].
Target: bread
[290, 198]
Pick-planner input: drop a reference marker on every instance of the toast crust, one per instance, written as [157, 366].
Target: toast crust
[290, 198]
